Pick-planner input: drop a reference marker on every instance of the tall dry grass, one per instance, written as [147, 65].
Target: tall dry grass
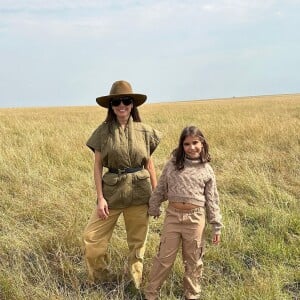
[47, 194]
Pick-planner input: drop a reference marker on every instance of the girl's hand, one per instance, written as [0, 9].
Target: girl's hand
[102, 209]
[216, 239]
[154, 216]
[155, 213]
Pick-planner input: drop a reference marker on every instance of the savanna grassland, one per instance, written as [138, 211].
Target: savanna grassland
[47, 194]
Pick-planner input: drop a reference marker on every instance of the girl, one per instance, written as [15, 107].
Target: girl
[188, 182]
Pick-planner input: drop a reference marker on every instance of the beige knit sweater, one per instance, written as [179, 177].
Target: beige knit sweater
[195, 184]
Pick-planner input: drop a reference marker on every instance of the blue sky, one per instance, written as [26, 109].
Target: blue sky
[68, 52]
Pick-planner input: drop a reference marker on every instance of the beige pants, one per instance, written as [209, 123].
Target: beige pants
[97, 235]
[184, 227]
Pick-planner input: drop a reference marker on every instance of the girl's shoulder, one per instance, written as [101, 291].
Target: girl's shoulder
[208, 168]
[171, 161]
[169, 164]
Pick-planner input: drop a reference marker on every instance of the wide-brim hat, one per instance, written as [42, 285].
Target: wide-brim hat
[121, 88]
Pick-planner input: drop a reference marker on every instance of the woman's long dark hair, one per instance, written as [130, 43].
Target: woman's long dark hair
[112, 117]
[179, 153]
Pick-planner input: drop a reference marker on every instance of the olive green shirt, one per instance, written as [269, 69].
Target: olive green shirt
[125, 148]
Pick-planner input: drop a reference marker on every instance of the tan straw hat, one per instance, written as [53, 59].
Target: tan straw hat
[121, 88]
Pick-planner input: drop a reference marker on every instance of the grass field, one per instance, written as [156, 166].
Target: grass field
[47, 194]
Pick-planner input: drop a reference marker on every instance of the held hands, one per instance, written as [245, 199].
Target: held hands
[102, 209]
[216, 239]
[154, 214]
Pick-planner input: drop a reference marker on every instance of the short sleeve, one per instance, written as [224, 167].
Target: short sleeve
[154, 140]
[95, 140]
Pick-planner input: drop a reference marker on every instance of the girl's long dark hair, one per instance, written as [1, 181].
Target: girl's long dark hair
[179, 153]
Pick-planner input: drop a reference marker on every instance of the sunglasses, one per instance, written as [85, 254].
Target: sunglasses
[125, 100]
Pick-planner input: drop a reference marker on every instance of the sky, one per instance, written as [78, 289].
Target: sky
[68, 52]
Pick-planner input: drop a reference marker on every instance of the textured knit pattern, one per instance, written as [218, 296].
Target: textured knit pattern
[195, 184]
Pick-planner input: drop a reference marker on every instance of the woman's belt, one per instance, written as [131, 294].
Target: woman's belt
[124, 171]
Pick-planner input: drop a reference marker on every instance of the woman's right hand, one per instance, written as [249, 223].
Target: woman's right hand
[102, 209]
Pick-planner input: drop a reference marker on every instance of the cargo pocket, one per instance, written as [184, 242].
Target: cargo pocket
[110, 186]
[141, 187]
[168, 248]
[199, 253]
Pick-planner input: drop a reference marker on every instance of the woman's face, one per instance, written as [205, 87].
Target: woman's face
[192, 146]
[122, 110]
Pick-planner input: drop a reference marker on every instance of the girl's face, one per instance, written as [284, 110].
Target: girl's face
[192, 146]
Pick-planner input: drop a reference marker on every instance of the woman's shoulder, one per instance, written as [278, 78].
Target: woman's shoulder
[102, 127]
[100, 131]
[143, 126]
[97, 138]
[148, 130]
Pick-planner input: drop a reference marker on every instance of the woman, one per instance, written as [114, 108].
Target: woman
[124, 146]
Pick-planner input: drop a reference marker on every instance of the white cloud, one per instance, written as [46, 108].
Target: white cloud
[75, 44]
[49, 5]
[160, 22]
[90, 14]
[208, 7]
[152, 19]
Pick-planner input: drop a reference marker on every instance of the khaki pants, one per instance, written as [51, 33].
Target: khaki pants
[184, 227]
[97, 235]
